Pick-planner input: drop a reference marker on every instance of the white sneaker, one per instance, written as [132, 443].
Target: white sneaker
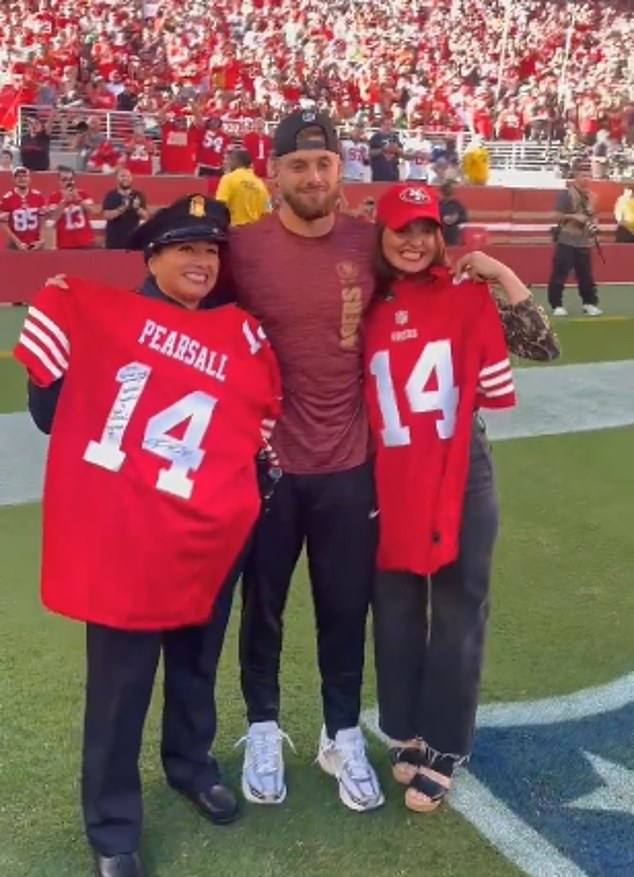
[592, 311]
[263, 767]
[560, 312]
[345, 759]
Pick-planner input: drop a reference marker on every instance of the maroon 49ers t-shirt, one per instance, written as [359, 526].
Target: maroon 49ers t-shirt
[310, 294]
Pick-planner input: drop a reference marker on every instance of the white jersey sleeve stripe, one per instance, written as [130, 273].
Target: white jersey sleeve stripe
[45, 338]
[506, 390]
[496, 367]
[52, 327]
[38, 353]
[496, 381]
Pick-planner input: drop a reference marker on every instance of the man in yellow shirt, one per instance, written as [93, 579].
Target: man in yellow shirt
[246, 196]
[624, 215]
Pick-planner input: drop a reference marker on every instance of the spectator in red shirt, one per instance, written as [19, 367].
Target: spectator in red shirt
[104, 159]
[509, 123]
[179, 144]
[139, 153]
[259, 146]
[214, 144]
[72, 210]
[21, 212]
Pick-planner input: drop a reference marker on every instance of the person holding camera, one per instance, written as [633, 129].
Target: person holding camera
[575, 235]
[124, 209]
[72, 210]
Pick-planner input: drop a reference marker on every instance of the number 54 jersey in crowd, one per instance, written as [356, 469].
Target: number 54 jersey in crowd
[151, 488]
[435, 354]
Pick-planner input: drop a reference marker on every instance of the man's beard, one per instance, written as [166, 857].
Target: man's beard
[312, 212]
[125, 187]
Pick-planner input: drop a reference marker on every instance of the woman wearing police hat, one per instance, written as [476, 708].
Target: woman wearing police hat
[183, 246]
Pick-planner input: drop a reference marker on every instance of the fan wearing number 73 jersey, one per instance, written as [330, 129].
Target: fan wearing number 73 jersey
[151, 489]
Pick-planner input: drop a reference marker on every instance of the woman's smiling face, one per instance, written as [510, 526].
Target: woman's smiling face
[186, 272]
[411, 249]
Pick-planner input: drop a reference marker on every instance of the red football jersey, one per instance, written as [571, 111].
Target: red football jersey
[259, 147]
[178, 149]
[24, 214]
[139, 156]
[73, 228]
[212, 148]
[151, 488]
[435, 354]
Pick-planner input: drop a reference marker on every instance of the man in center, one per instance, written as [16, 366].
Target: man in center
[306, 273]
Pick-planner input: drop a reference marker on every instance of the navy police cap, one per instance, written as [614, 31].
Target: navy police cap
[194, 218]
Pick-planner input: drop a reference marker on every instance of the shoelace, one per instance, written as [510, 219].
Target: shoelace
[266, 747]
[354, 759]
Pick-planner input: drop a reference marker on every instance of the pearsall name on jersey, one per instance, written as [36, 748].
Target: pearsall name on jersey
[180, 346]
[164, 447]
[50, 346]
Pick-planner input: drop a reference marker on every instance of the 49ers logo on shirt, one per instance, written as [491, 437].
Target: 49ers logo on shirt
[412, 195]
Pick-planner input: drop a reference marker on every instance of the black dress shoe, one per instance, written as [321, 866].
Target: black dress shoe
[218, 804]
[123, 865]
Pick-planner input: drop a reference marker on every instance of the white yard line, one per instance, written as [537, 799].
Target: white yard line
[555, 401]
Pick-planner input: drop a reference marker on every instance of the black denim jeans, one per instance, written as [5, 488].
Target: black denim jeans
[565, 260]
[429, 632]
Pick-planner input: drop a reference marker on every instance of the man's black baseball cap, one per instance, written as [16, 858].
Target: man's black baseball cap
[305, 129]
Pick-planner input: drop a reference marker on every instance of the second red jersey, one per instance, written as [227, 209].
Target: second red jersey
[435, 354]
[74, 231]
[24, 214]
[139, 156]
[178, 149]
[213, 147]
[259, 147]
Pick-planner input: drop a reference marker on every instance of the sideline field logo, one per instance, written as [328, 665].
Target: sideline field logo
[551, 782]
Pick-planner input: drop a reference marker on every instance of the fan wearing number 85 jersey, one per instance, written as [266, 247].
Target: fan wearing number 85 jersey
[435, 355]
[22, 210]
[151, 490]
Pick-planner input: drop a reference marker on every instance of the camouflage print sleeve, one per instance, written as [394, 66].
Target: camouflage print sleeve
[528, 331]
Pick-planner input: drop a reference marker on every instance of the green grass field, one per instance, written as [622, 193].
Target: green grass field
[562, 620]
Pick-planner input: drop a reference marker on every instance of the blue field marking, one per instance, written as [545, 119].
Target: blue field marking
[551, 782]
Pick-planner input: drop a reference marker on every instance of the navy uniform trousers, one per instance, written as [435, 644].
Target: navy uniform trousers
[121, 667]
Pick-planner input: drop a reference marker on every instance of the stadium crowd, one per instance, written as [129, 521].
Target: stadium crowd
[567, 68]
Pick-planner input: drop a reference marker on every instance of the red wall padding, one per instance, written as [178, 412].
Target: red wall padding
[23, 273]
[492, 202]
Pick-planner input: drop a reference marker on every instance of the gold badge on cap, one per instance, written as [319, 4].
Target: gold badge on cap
[197, 207]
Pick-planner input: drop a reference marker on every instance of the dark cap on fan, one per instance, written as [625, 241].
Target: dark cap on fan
[305, 129]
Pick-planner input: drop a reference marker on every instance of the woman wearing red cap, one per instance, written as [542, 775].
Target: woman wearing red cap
[436, 353]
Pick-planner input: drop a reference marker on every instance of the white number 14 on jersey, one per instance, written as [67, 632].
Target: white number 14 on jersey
[434, 360]
[184, 455]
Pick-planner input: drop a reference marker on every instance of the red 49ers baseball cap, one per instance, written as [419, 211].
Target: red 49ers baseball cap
[406, 202]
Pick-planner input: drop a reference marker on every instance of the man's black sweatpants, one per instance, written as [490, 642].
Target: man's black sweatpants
[334, 515]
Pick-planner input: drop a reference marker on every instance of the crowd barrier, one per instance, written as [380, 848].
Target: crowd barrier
[24, 273]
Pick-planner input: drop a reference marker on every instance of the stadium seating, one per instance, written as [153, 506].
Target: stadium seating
[531, 67]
